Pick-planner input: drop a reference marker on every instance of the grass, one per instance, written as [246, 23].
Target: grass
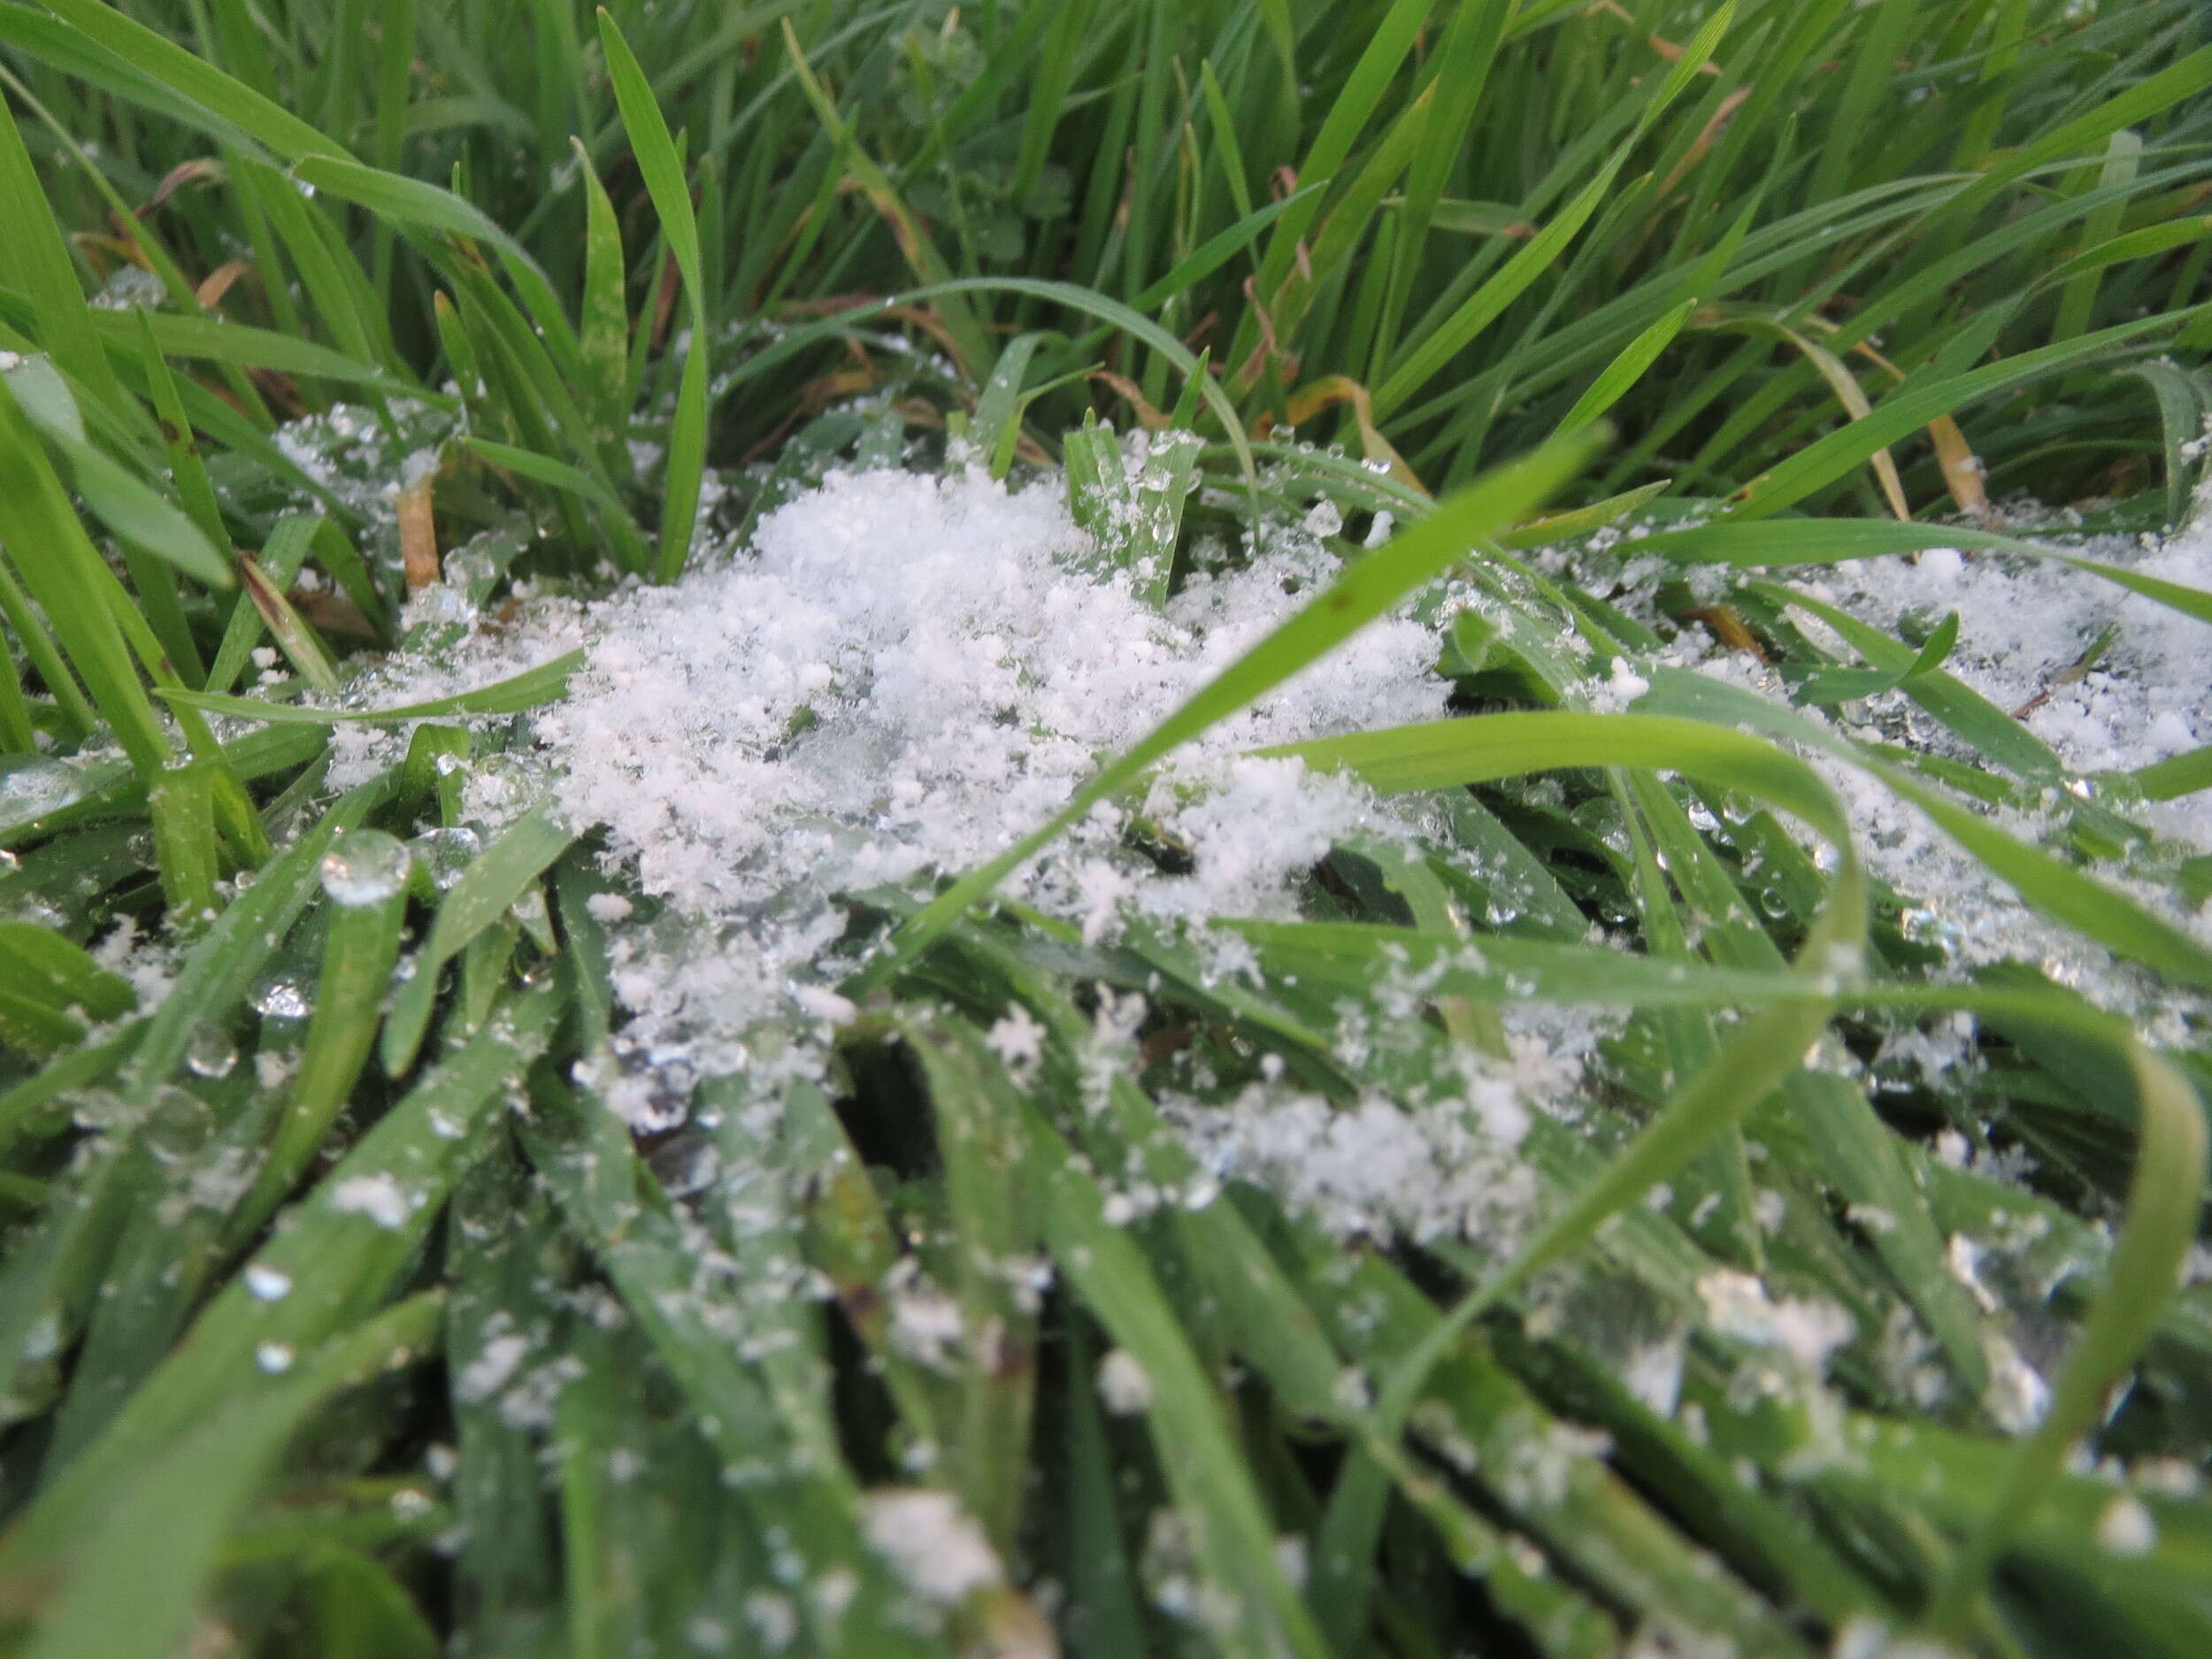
[1794, 282]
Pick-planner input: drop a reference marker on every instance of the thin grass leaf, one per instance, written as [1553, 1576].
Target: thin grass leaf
[665, 182]
[499, 877]
[529, 689]
[2163, 1200]
[136, 1580]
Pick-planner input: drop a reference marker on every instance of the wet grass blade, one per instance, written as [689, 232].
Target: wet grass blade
[135, 1582]
[665, 182]
[500, 876]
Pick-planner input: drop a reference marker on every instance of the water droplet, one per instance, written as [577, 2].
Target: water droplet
[98, 1109]
[500, 787]
[210, 1053]
[471, 568]
[281, 999]
[1773, 903]
[446, 853]
[273, 1357]
[268, 1284]
[179, 1125]
[365, 867]
[43, 786]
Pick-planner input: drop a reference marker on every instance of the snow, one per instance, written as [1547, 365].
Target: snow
[1739, 1306]
[898, 677]
[2109, 679]
[2125, 1528]
[1372, 1167]
[933, 1546]
[1122, 1383]
[379, 1197]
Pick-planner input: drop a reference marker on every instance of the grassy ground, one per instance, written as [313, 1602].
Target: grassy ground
[632, 278]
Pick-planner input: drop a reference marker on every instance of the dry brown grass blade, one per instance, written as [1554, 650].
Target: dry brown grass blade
[203, 170]
[1962, 467]
[291, 630]
[1148, 413]
[1268, 349]
[1659, 44]
[335, 613]
[1698, 150]
[418, 536]
[1841, 382]
[219, 282]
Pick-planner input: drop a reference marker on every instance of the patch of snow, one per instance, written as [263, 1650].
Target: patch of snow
[1738, 1306]
[1122, 1383]
[934, 1546]
[901, 676]
[379, 1197]
[2125, 1528]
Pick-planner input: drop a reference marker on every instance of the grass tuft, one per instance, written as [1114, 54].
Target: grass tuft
[1855, 1299]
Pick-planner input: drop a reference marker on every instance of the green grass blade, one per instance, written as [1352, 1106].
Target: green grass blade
[664, 173]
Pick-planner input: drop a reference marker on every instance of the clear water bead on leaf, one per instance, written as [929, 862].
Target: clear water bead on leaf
[43, 786]
[276, 997]
[365, 867]
[446, 853]
[268, 1284]
[211, 1053]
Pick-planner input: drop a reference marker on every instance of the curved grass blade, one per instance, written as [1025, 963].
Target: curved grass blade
[663, 175]
[501, 875]
[545, 683]
[1796, 541]
[135, 1581]
[2163, 1200]
[1822, 463]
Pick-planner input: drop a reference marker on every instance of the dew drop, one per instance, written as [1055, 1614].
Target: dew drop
[446, 853]
[281, 999]
[210, 1053]
[365, 867]
[273, 1357]
[178, 1125]
[268, 1284]
[43, 786]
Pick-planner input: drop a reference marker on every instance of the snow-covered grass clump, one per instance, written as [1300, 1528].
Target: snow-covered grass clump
[899, 676]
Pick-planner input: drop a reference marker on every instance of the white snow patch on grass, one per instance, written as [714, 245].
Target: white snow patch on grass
[900, 677]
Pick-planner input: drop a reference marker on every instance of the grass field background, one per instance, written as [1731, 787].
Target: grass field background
[339, 1316]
